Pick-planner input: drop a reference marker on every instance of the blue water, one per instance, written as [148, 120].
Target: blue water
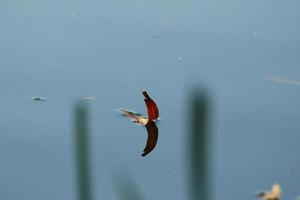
[113, 50]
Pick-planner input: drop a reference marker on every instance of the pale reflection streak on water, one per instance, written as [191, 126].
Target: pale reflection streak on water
[283, 80]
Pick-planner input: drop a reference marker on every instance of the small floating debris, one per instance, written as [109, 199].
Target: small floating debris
[38, 99]
[89, 98]
[283, 80]
[274, 194]
[179, 58]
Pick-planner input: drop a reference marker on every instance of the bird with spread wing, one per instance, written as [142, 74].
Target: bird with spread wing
[148, 122]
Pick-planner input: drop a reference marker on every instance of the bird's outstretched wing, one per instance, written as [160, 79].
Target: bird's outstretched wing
[152, 108]
[130, 114]
[152, 131]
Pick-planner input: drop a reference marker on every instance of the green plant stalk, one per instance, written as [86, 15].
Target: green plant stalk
[199, 147]
[82, 150]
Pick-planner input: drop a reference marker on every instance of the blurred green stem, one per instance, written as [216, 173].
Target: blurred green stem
[82, 148]
[198, 147]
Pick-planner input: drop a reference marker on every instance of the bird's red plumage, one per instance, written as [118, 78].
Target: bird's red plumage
[152, 108]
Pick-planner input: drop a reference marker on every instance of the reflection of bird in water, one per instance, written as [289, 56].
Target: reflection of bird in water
[274, 194]
[148, 122]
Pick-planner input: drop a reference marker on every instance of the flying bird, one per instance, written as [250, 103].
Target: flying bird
[148, 122]
[274, 194]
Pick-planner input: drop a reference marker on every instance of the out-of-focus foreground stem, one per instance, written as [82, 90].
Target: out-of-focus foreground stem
[198, 146]
[82, 150]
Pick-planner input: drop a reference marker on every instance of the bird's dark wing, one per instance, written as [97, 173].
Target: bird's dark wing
[152, 108]
[152, 131]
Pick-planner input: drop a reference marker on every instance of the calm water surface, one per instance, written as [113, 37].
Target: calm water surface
[113, 50]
